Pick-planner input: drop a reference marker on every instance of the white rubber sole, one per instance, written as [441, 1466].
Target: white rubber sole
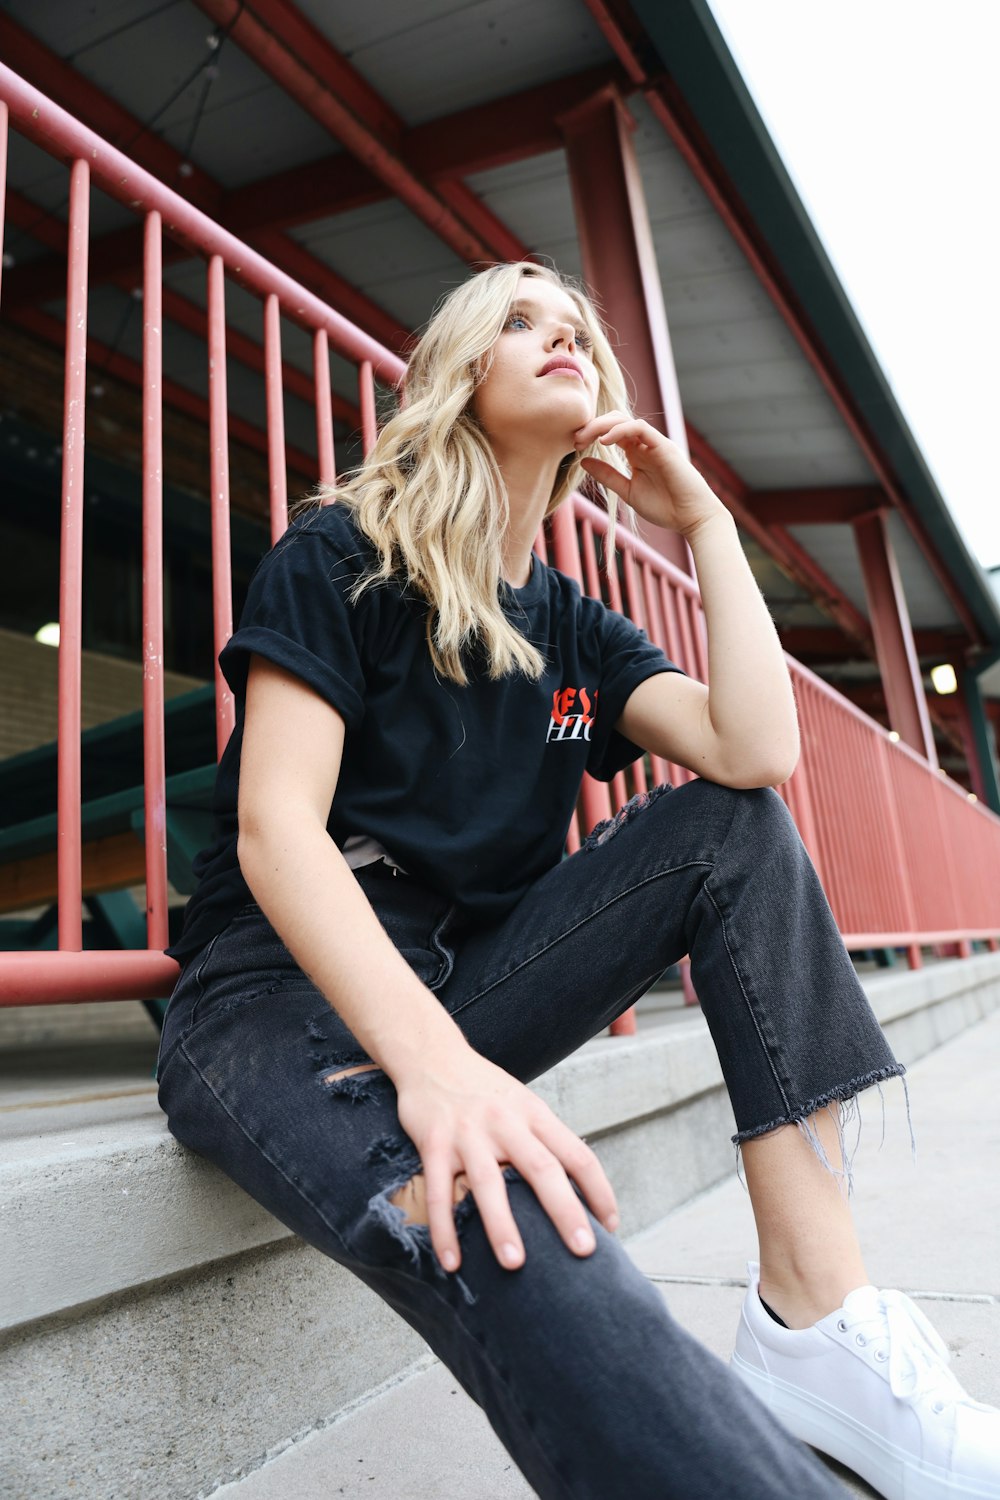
[894, 1473]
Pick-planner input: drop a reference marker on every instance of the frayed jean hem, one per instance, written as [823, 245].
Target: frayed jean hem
[845, 1096]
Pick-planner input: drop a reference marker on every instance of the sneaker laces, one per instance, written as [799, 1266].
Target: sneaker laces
[918, 1357]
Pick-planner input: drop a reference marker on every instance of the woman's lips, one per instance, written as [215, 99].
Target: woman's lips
[562, 370]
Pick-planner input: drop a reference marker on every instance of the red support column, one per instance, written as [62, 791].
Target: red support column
[619, 265]
[893, 635]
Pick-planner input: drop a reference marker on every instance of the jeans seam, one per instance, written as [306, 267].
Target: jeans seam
[257, 1147]
[618, 896]
[746, 998]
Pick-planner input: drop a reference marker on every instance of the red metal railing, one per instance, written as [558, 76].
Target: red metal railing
[905, 857]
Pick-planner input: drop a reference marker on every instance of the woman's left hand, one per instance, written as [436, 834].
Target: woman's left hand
[664, 487]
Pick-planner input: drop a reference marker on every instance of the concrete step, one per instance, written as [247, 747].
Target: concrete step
[163, 1335]
[422, 1437]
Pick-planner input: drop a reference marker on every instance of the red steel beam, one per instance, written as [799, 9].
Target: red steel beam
[824, 643]
[311, 71]
[673, 112]
[897, 657]
[616, 245]
[804, 507]
[41, 67]
[444, 150]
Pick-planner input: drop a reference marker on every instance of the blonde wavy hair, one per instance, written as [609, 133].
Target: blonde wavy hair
[430, 495]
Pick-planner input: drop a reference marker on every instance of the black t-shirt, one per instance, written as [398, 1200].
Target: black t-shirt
[470, 789]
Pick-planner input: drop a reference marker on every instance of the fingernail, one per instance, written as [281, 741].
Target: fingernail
[612, 1222]
[510, 1254]
[583, 1239]
[449, 1260]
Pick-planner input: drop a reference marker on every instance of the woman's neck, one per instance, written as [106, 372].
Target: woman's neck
[529, 483]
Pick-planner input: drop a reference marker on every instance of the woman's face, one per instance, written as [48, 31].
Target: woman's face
[517, 400]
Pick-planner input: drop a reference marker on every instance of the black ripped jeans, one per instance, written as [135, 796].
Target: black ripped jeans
[589, 1382]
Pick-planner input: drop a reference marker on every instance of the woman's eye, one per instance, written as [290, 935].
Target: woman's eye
[583, 339]
[516, 318]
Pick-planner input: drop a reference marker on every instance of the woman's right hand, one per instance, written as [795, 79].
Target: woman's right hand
[466, 1115]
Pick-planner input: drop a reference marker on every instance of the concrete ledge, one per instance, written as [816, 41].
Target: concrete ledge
[146, 1208]
[144, 1292]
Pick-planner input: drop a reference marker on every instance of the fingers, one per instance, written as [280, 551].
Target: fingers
[489, 1188]
[616, 427]
[547, 1156]
[609, 476]
[439, 1173]
[582, 1163]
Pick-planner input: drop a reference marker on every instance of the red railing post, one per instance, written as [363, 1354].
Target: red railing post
[366, 398]
[324, 407]
[154, 759]
[218, 428]
[71, 565]
[275, 418]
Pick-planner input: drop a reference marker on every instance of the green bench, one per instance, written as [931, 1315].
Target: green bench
[113, 824]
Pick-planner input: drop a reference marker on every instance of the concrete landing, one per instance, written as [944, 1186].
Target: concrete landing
[932, 1229]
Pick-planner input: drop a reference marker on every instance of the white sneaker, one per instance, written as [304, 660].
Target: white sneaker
[869, 1384]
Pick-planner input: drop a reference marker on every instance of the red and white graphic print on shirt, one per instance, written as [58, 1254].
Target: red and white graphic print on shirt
[573, 712]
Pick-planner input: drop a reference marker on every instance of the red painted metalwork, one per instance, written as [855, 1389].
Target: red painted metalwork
[620, 266]
[324, 413]
[820, 506]
[90, 106]
[178, 397]
[275, 418]
[878, 822]
[274, 34]
[154, 756]
[675, 115]
[366, 393]
[71, 564]
[218, 419]
[902, 680]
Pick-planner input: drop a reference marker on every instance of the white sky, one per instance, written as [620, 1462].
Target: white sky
[886, 115]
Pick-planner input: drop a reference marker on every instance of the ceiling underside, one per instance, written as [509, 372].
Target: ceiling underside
[745, 383]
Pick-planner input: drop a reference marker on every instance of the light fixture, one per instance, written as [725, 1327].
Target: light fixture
[944, 679]
[48, 635]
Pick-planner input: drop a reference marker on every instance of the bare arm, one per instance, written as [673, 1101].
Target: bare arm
[462, 1112]
[742, 728]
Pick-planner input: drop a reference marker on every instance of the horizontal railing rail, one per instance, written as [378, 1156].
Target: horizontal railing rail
[905, 856]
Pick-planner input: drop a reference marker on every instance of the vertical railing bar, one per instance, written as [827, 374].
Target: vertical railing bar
[610, 570]
[687, 658]
[654, 629]
[589, 552]
[154, 758]
[890, 802]
[275, 417]
[324, 408]
[68, 819]
[218, 431]
[592, 573]
[366, 400]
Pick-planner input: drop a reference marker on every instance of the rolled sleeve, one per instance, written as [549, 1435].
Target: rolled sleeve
[628, 657]
[297, 615]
